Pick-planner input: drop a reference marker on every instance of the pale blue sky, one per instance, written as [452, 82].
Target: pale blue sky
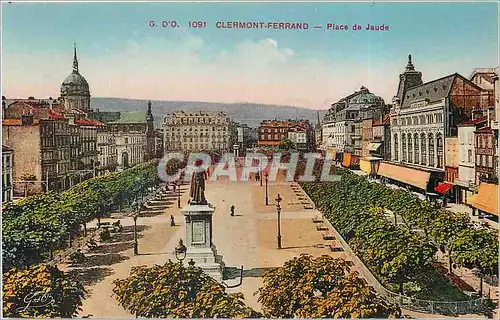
[121, 56]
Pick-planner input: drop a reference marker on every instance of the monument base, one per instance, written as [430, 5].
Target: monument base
[207, 260]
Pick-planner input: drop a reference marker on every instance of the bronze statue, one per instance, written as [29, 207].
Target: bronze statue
[197, 192]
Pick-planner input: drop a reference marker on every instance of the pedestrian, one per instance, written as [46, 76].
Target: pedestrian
[172, 221]
[232, 211]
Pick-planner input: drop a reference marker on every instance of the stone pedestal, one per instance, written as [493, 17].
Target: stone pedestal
[199, 240]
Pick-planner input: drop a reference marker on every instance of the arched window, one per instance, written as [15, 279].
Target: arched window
[423, 149]
[431, 150]
[469, 156]
[403, 144]
[396, 146]
[417, 145]
[410, 148]
[440, 151]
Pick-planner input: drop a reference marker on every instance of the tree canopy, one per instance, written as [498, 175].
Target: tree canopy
[322, 287]
[173, 291]
[41, 291]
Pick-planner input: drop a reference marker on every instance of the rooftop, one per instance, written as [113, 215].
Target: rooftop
[131, 117]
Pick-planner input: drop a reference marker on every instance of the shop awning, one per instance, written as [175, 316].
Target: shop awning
[471, 199]
[374, 146]
[354, 160]
[414, 177]
[444, 187]
[346, 162]
[365, 165]
[487, 198]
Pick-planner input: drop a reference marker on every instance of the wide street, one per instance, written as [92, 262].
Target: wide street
[248, 239]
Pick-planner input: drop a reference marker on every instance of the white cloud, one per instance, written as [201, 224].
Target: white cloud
[187, 69]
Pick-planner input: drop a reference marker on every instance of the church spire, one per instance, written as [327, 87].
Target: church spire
[75, 61]
[409, 66]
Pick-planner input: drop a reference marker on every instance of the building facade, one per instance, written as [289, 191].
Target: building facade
[486, 165]
[43, 149]
[7, 177]
[300, 132]
[130, 138]
[424, 114]
[466, 180]
[107, 153]
[197, 131]
[347, 126]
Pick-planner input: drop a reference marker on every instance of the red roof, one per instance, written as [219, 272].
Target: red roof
[55, 115]
[89, 122]
[476, 121]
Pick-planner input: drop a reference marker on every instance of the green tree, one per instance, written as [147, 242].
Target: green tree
[286, 144]
[173, 291]
[41, 291]
[322, 287]
[473, 248]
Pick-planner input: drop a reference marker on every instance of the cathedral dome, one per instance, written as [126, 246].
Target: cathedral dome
[75, 83]
[366, 97]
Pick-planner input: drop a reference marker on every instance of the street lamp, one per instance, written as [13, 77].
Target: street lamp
[278, 208]
[179, 194]
[260, 171]
[136, 243]
[267, 198]
[180, 251]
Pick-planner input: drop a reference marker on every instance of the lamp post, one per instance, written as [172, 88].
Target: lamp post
[278, 208]
[136, 243]
[178, 194]
[180, 251]
[260, 171]
[267, 198]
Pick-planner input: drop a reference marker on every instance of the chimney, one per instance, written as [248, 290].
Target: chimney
[50, 103]
[27, 119]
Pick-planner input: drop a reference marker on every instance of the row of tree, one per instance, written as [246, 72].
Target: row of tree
[37, 225]
[398, 254]
[304, 287]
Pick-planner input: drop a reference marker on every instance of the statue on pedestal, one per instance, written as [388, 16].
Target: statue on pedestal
[197, 192]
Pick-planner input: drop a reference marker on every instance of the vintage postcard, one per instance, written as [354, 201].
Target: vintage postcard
[250, 159]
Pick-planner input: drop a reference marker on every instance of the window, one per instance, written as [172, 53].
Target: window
[417, 151]
[403, 144]
[431, 150]
[490, 141]
[478, 159]
[469, 155]
[410, 149]
[440, 157]
[126, 140]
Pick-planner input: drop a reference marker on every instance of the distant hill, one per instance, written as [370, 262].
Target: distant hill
[248, 113]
